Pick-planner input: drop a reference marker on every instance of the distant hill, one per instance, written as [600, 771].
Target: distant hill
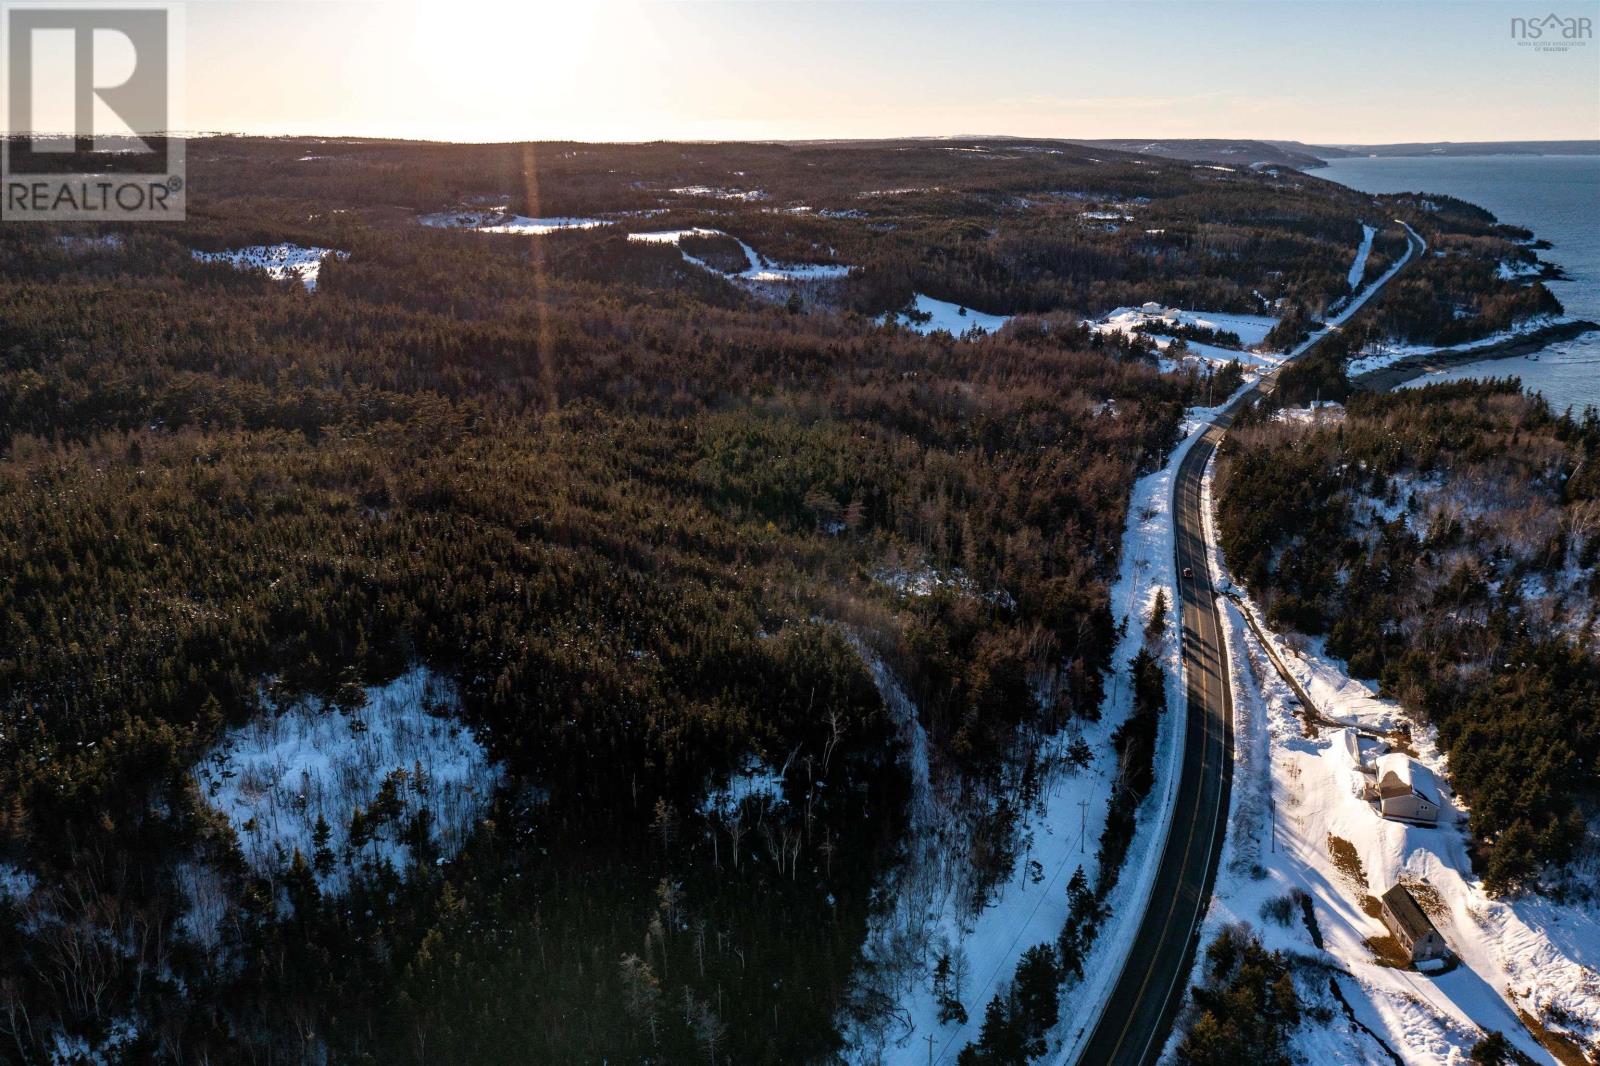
[1307, 156]
[1455, 148]
[1242, 153]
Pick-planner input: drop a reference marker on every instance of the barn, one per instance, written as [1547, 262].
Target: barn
[1412, 929]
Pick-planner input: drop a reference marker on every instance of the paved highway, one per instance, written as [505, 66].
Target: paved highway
[1132, 1029]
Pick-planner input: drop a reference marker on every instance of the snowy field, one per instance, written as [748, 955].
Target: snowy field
[274, 776]
[902, 190]
[951, 318]
[498, 221]
[1296, 803]
[1358, 269]
[1251, 330]
[716, 193]
[758, 269]
[278, 261]
[923, 914]
[1359, 301]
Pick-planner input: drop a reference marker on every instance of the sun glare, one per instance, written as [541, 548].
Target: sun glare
[484, 60]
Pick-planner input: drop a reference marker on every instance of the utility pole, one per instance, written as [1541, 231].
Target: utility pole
[1083, 823]
[1273, 808]
[929, 1039]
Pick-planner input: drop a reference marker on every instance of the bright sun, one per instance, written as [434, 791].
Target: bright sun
[496, 58]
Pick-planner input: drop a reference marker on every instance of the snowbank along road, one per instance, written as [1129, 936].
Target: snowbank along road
[1140, 1011]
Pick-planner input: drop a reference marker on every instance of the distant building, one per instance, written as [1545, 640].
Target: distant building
[1412, 928]
[1152, 308]
[1395, 793]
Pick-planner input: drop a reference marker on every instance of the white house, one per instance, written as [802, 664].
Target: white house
[1152, 308]
[1395, 793]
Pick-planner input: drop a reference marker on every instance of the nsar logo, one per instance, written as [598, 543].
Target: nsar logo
[1552, 33]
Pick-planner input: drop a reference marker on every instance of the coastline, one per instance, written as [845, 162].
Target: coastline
[1398, 373]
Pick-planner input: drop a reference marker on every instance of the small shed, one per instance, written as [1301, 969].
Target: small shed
[1396, 792]
[1411, 927]
[1363, 750]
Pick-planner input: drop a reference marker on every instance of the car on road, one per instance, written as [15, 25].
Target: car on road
[1188, 571]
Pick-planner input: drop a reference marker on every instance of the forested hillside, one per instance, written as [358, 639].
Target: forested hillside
[1478, 278]
[625, 509]
[1444, 541]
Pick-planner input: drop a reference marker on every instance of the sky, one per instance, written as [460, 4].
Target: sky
[1321, 72]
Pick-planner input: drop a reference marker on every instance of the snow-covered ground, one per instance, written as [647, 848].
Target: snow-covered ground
[1359, 301]
[1148, 567]
[902, 190]
[923, 912]
[1517, 271]
[758, 269]
[498, 221]
[82, 244]
[1387, 353]
[1250, 329]
[715, 193]
[925, 580]
[1358, 269]
[274, 776]
[278, 261]
[754, 782]
[1322, 412]
[951, 318]
[784, 272]
[1296, 797]
[15, 882]
[113, 1047]
[538, 227]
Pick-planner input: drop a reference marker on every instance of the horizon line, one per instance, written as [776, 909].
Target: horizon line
[1274, 141]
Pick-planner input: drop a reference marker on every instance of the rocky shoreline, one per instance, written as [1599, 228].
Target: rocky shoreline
[1398, 373]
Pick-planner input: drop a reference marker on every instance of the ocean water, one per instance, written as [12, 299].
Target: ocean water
[1558, 198]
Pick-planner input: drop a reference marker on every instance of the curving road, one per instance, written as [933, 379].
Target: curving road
[1133, 1027]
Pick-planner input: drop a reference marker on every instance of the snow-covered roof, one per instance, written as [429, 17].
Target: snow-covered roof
[1396, 763]
[1401, 766]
